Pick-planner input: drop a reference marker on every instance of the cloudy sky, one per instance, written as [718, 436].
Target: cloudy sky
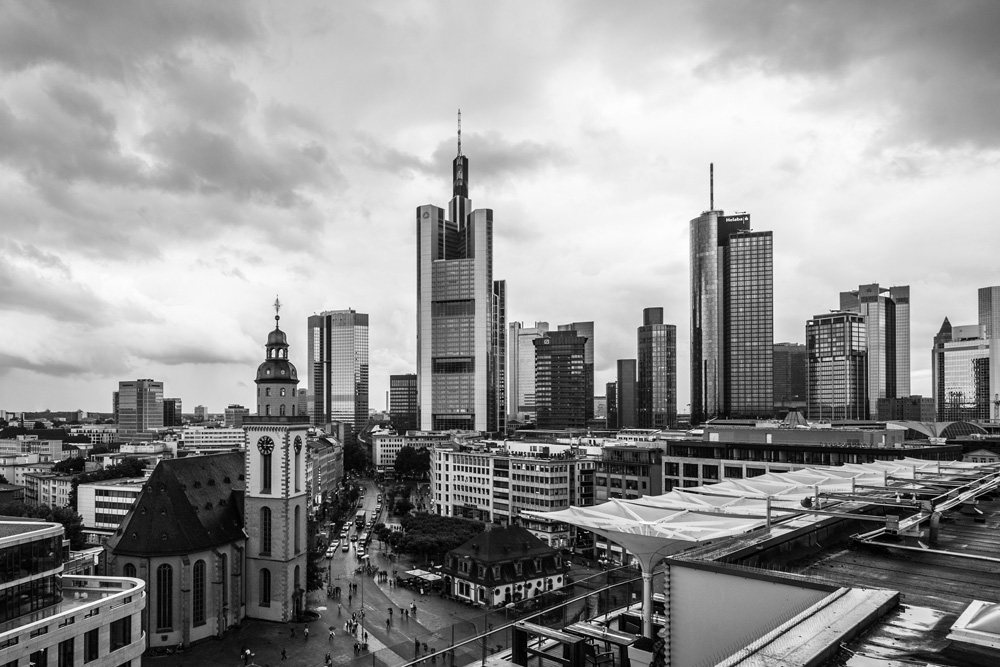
[167, 168]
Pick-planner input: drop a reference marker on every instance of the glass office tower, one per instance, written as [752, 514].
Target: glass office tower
[626, 385]
[656, 370]
[337, 342]
[585, 329]
[837, 367]
[964, 387]
[732, 318]
[461, 315]
[521, 370]
[561, 396]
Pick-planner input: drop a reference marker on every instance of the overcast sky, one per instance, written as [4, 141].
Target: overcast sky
[167, 168]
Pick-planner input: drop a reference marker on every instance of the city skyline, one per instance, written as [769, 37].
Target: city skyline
[166, 172]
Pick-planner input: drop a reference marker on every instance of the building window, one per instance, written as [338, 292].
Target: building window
[40, 657]
[197, 594]
[265, 587]
[121, 630]
[265, 531]
[282, 391]
[90, 645]
[267, 391]
[298, 513]
[164, 598]
[296, 579]
[128, 570]
[265, 446]
[66, 653]
[281, 410]
[267, 410]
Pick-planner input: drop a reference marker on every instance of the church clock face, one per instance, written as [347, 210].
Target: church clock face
[265, 446]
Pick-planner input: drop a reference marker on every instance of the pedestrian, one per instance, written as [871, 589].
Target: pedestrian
[305, 633]
[246, 655]
[390, 611]
[350, 597]
[283, 655]
[388, 622]
[330, 638]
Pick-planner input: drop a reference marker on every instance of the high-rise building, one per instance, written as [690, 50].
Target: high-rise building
[561, 396]
[521, 370]
[887, 326]
[585, 329]
[611, 391]
[234, 415]
[732, 317]
[964, 387]
[626, 393]
[837, 366]
[200, 413]
[172, 412]
[461, 314]
[656, 370]
[138, 408]
[989, 310]
[338, 368]
[790, 361]
[403, 401]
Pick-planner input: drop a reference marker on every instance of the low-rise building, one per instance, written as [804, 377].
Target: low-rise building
[47, 450]
[98, 434]
[103, 505]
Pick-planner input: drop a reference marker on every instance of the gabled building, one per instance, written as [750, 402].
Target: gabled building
[503, 565]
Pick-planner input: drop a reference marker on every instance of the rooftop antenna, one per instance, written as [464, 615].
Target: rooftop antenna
[711, 184]
[459, 133]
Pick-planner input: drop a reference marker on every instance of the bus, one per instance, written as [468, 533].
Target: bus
[359, 519]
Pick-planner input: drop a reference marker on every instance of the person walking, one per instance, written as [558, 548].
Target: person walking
[305, 633]
[332, 633]
[283, 654]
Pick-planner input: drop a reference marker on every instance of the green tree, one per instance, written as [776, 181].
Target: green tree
[411, 462]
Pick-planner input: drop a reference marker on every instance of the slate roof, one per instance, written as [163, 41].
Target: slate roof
[187, 505]
[508, 543]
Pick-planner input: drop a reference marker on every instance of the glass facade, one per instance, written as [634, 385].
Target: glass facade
[338, 368]
[989, 310]
[585, 329]
[626, 393]
[561, 396]
[139, 407]
[732, 318]
[790, 361]
[521, 370]
[962, 380]
[837, 367]
[656, 369]
[461, 317]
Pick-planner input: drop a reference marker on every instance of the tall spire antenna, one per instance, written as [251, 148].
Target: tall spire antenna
[459, 133]
[277, 308]
[711, 186]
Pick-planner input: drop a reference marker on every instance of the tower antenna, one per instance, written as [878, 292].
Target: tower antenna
[459, 133]
[711, 186]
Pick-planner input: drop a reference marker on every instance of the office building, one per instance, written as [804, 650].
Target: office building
[656, 372]
[338, 368]
[963, 385]
[138, 408]
[732, 317]
[403, 402]
[561, 396]
[234, 415]
[521, 370]
[887, 327]
[586, 330]
[906, 408]
[790, 361]
[53, 617]
[627, 406]
[173, 412]
[200, 414]
[461, 315]
[989, 310]
[837, 367]
[611, 392]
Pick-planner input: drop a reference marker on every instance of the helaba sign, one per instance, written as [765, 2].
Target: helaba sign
[737, 219]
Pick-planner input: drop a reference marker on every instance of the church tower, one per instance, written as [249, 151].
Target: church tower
[275, 498]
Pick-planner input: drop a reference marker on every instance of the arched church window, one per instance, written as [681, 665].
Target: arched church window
[128, 570]
[298, 536]
[281, 410]
[265, 587]
[265, 446]
[164, 598]
[265, 531]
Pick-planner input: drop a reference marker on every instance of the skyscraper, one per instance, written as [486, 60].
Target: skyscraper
[837, 366]
[656, 371]
[989, 310]
[403, 401]
[585, 329]
[626, 393]
[138, 408]
[561, 397]
[732, 317]
[962, 359]
[611, 393]
[521, 370]
[461, 314]
[887, 326]
[173, 412]
[338, 368]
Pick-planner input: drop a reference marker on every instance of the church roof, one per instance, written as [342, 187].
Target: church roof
[503, 544]
[187, 505]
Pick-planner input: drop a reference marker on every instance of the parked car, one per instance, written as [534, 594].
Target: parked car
[346, 547]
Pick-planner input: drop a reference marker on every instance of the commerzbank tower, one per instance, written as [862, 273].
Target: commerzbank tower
[461, 314]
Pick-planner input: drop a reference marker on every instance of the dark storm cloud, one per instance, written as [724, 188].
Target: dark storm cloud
[109, 38]
[206, 90]
[936, 65]
[175, 353]
[53, 367]
[378, 155]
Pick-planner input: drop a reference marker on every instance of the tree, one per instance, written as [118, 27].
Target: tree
[69, 466]
[38, 425]
[3, 480]
[412, 462]
[126, 468]
[355, 458]
[403, 506]
[71, 521]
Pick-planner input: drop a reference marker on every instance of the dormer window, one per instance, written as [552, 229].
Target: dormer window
[519, 568]
[538, 565]
[281, 391]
